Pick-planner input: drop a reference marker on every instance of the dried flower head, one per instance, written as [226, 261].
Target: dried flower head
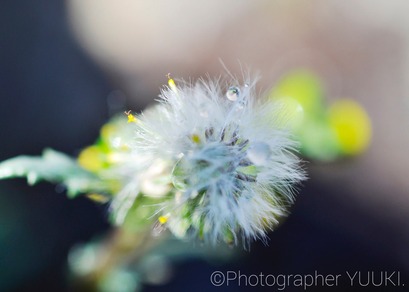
[234, 162]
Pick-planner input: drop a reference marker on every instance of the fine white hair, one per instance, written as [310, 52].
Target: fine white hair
[235, 163]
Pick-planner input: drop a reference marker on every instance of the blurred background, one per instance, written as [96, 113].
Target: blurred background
[67, 66]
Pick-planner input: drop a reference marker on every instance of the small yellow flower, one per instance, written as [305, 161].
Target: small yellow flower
[196, 138]
[131, 117]
[171, 83]
[163, 219]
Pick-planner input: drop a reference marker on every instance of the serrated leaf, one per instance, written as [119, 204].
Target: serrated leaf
[54, 167]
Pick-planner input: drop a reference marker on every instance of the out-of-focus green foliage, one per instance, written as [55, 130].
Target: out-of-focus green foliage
[325, 134]
[54, 167]
[105, 171]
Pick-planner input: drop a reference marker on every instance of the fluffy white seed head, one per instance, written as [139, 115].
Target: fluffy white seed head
[234, 162]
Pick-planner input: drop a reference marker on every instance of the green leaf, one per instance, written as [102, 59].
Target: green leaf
[179, 176]
[54, 167]
[250, 170]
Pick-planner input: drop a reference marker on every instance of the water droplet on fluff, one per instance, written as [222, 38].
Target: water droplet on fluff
[203, 108]
[259, 153]
[240, 105]
[232, 93]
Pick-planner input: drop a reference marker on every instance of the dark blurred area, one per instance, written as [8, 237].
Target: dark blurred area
[53, 93]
